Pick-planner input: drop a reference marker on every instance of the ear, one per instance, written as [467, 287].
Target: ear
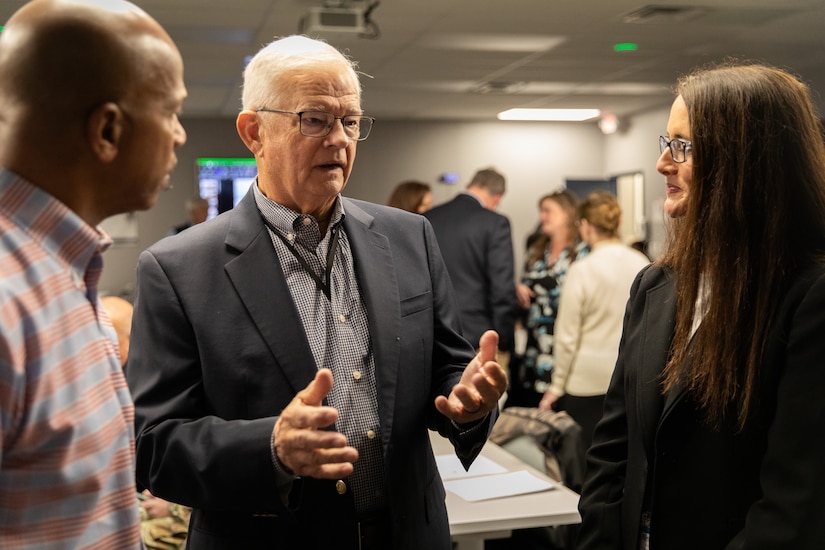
[104, 131]
[249, 129]
[585, 229]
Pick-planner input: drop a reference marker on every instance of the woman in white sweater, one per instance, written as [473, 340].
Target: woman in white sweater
[591, 310]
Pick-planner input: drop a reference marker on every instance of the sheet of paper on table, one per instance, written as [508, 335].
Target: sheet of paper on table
[449, 466]
[498, 485]
[486, 479]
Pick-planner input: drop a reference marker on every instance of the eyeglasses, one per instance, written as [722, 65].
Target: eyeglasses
[319, 124]
[678, 148]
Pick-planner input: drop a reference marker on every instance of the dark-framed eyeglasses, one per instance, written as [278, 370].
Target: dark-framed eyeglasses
[319, 124]
[678, 148]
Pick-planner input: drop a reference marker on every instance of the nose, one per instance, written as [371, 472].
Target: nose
[337, 135]
[665, 165]
[180, 133]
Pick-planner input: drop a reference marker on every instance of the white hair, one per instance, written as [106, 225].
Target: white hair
[263, 83]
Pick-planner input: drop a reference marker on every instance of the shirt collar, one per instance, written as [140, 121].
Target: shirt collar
[285, 219]
[50, 223]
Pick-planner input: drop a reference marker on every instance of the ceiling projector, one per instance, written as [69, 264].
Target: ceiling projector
[328, 19]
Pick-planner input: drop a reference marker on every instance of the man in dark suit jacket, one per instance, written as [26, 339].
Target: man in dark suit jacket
[284, 387]
[478, 250]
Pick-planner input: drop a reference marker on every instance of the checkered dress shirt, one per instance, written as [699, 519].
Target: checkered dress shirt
[338, 335]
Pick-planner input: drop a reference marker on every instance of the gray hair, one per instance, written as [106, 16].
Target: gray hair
[263, 77]
[489, 179]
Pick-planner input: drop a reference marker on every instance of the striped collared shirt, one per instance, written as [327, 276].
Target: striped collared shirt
[66, 417]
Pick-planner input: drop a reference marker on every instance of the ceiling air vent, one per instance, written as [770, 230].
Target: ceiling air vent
[655, 13]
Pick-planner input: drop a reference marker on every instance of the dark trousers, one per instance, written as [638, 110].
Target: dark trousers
[586, 411]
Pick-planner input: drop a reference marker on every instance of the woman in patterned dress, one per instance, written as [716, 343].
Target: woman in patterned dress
[548, 259]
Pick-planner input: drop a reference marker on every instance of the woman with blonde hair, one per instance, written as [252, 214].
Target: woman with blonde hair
[589, 323]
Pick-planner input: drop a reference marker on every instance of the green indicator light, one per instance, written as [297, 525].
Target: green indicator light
[625, 47]
[1, 28]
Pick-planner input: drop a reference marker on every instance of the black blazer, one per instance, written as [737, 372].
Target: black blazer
[218, 350]
[478, 250]
[760, 488]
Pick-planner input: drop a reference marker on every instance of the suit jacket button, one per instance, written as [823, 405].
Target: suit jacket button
[340, 487]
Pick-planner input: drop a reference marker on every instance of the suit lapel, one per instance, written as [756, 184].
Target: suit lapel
[658, 323]
[259, 281]
[379, 290]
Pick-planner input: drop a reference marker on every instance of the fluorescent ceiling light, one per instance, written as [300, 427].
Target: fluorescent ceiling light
[495, 42]
[574, 115]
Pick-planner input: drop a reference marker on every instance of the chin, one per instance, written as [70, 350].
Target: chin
[336, 184]
[675, 209]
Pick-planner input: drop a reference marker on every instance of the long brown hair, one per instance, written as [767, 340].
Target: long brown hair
[570, 204]
[408, 195]
[755, 215]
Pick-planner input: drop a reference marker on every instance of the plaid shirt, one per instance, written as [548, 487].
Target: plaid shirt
[66, 417]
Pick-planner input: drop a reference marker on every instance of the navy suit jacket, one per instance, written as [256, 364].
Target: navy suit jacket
[218, 350]
[478, 250]
[759, 488]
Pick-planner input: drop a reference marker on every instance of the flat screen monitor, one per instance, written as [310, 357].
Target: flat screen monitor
[224, 181]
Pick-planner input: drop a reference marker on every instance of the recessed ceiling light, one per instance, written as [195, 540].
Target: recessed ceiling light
[494, 42]
[556, 115]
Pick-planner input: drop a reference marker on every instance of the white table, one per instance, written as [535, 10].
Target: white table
[473, 522]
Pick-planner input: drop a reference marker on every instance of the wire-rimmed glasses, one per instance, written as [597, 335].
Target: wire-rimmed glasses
[319, 124]
[678, 148]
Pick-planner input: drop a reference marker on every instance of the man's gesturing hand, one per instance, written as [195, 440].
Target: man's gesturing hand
[482, 384]
[301, 443]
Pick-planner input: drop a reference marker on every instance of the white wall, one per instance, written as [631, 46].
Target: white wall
[636, 148]
[536, 159]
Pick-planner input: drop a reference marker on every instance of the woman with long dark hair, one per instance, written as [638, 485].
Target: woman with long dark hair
[713, 433]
